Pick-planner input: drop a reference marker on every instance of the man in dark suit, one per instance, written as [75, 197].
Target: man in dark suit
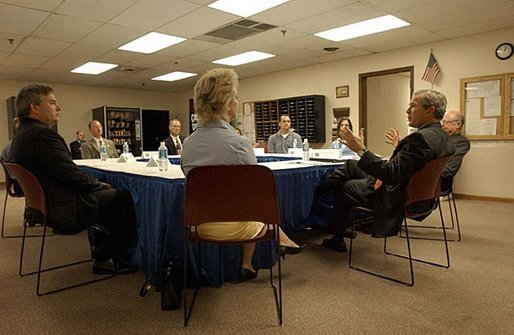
[381, 185]
[175, 140]
[75, 145]
[452, 123]
[75, 200]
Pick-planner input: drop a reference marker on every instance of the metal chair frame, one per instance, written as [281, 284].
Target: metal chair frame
[35, 198]
[208, 190]
[424, 185]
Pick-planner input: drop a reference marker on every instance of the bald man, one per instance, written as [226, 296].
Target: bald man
[452, 123]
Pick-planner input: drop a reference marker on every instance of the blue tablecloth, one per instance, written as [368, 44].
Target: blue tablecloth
[159, 212]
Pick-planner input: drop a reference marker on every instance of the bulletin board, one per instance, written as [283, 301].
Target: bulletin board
[488, 105]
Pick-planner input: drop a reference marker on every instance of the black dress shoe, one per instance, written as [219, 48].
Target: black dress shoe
[335, 244]
[123, 266]
[111, 267]
[244, 275]
[104, 268]
[291, 250]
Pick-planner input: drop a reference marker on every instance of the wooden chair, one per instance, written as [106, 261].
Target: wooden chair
[232, 193]
[36, 200]
[424, 185]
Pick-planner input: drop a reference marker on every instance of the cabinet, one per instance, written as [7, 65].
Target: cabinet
[125, 124]
[307, 115]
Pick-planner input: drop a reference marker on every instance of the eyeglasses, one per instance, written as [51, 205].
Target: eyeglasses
[446, 122]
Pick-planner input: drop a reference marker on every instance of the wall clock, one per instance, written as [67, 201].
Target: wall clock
[504, 51]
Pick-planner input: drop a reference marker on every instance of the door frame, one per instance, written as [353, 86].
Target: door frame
[363, 91]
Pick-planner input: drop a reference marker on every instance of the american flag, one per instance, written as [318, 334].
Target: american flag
[432, 70]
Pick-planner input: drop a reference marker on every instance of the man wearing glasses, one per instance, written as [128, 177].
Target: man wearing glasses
[452, 123]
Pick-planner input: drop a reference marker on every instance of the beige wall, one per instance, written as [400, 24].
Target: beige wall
[458, 58]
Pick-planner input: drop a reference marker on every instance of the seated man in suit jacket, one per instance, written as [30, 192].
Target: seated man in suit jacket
[452, 123]
[175, 140]
[75, 145]
[91, 148]
[75, 200]
[381, 185]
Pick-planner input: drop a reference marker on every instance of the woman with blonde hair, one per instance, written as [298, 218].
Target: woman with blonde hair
[215, 142]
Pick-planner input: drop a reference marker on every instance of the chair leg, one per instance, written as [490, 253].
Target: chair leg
[447, 265]
[277, 295]
[376, 274]
[3, 215]
[456, 217]
[187, 313]
[41, 270]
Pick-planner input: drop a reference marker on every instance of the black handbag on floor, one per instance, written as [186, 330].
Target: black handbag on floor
[171, 293]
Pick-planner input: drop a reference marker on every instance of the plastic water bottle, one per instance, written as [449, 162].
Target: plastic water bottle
[305, 150]
[295, 143]
[125, 147]
[163, 157]
[103, 151]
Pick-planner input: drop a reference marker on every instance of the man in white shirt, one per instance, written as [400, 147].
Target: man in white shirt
[285, 138]
[175, 140]
[91, 148]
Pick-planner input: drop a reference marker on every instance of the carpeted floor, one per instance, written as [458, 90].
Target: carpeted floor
[321, 294]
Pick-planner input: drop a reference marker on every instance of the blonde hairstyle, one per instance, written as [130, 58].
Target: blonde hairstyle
[213, 93]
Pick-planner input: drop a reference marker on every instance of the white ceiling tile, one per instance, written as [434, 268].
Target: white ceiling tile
[65, 28]
[25, 60]
[48, 5]
[268, 37]
[99, 10]
[118, 57]
[150, 14]
[12, 72]
[61, 65]
[113, 35]
[206, 20]
[82, 52]
[187, 48]
[149, 61]
[41, 47]
[297, 10]
[335, 18]
[6, 45]
[3, 56]
[21, 21]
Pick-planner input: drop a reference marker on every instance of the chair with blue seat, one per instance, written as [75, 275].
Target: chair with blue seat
[232, 193]
[423, 187]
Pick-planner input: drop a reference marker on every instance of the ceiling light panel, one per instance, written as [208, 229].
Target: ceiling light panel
[174, 76]
[245, 8]
[244, 58]
[151, 42]
[94, 68]
[363, 28]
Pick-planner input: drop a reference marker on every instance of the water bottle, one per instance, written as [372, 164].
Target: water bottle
[103, 151]
[305, 150]
[295, 143]
[125, 147]
[163, 157]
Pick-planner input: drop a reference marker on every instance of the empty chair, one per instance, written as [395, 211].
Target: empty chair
[232, 193]
[35, 200]
[424, 186]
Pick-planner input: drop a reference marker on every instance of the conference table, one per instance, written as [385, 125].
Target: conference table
[158, 198]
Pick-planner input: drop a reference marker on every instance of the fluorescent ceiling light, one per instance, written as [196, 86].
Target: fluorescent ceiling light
[244, 58]
[94, 68]
[363, 28]
[151, 42]
[245, 8]
[174, 76]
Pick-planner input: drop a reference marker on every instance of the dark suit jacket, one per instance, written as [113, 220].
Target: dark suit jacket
[68, 190]
[172, 150]
[75, 150]
[429, 142]
[462, 147]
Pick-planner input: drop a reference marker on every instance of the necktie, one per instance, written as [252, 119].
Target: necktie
[178, 146]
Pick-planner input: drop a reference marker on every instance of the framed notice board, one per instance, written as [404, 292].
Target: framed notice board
[488, 105]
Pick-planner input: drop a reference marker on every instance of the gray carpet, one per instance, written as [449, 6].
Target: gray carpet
[321, 294]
